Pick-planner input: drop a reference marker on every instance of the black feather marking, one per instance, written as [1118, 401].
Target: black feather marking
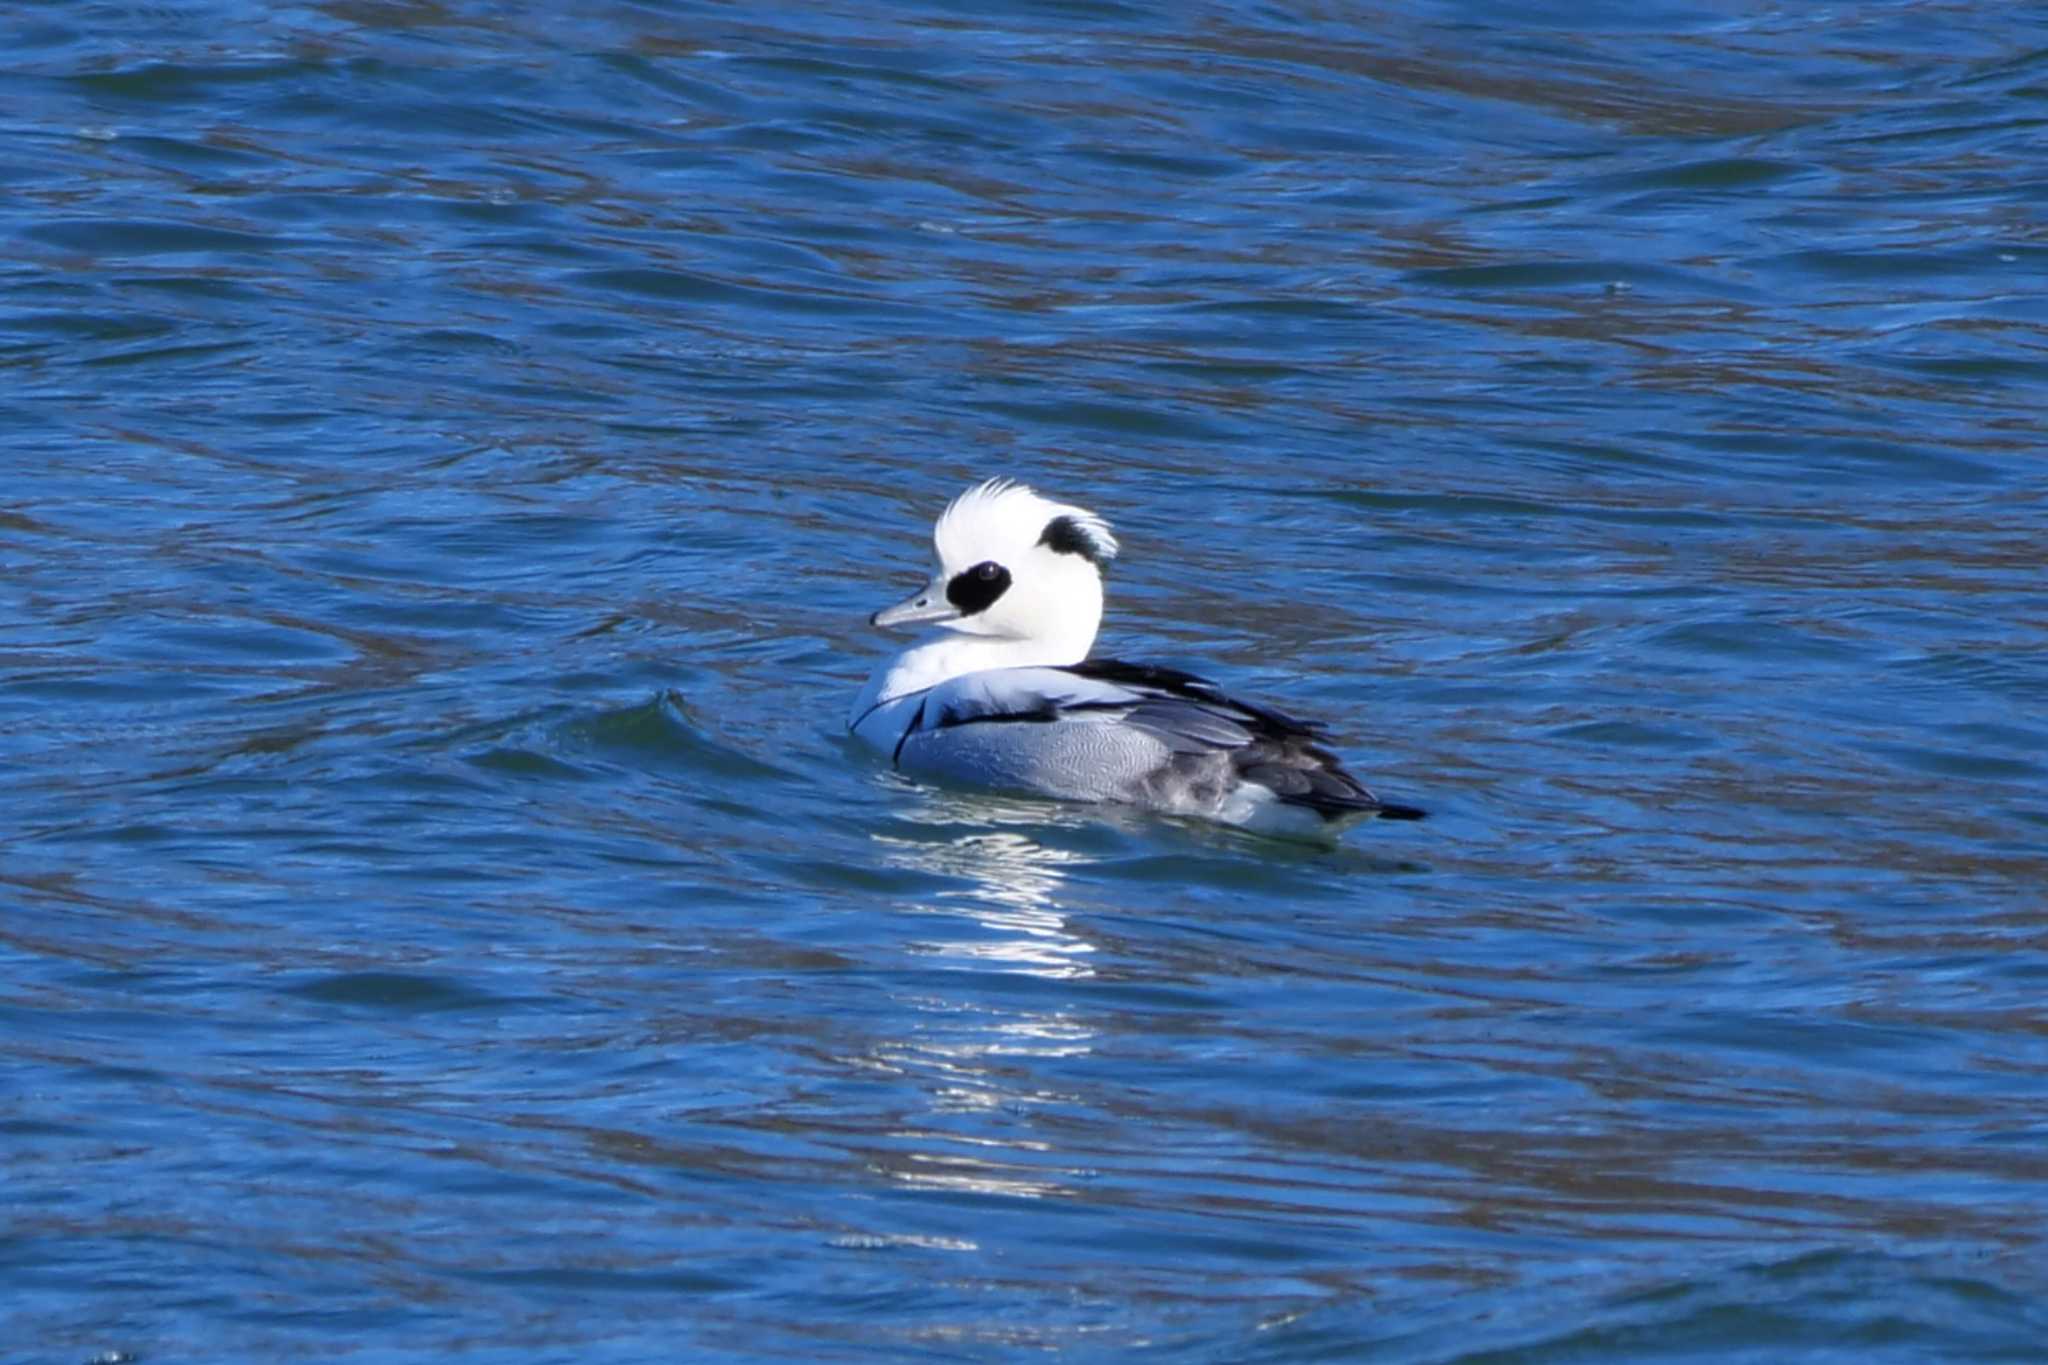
[861, 719]
[1044, 713]
[1271, 723]
[1067, 536]
[909, 730]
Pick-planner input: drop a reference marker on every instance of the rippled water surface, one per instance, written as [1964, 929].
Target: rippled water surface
[451, 450]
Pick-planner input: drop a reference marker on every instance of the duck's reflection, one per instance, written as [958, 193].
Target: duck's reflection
[1013, 881]
[987, 1062]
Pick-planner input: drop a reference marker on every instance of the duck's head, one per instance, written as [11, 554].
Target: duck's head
[1014, 566]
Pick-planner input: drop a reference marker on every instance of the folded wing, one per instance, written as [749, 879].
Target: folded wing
[1214, 742]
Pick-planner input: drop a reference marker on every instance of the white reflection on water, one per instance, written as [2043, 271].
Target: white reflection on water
[976, 1063]
[1014, 879]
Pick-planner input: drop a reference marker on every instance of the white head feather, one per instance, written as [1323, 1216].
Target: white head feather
[1019, 585]
[1003, 513]
[1015, 570]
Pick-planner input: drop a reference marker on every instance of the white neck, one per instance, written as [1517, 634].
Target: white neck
[931, 662]
[935, 661]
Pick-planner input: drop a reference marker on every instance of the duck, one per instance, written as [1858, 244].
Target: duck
[999, 692]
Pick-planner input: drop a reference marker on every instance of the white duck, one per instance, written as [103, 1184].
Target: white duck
[1002, 698]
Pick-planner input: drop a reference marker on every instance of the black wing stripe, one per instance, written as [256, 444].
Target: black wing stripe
[1268, 723]
[1043, 713]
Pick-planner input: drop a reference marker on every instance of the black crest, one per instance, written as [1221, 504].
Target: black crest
[1068, 536]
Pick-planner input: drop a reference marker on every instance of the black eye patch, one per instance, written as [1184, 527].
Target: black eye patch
[976, 589]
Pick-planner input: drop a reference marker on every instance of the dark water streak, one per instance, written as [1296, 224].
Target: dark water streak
[454, 453]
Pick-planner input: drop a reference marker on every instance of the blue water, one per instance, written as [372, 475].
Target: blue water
[451, 452]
